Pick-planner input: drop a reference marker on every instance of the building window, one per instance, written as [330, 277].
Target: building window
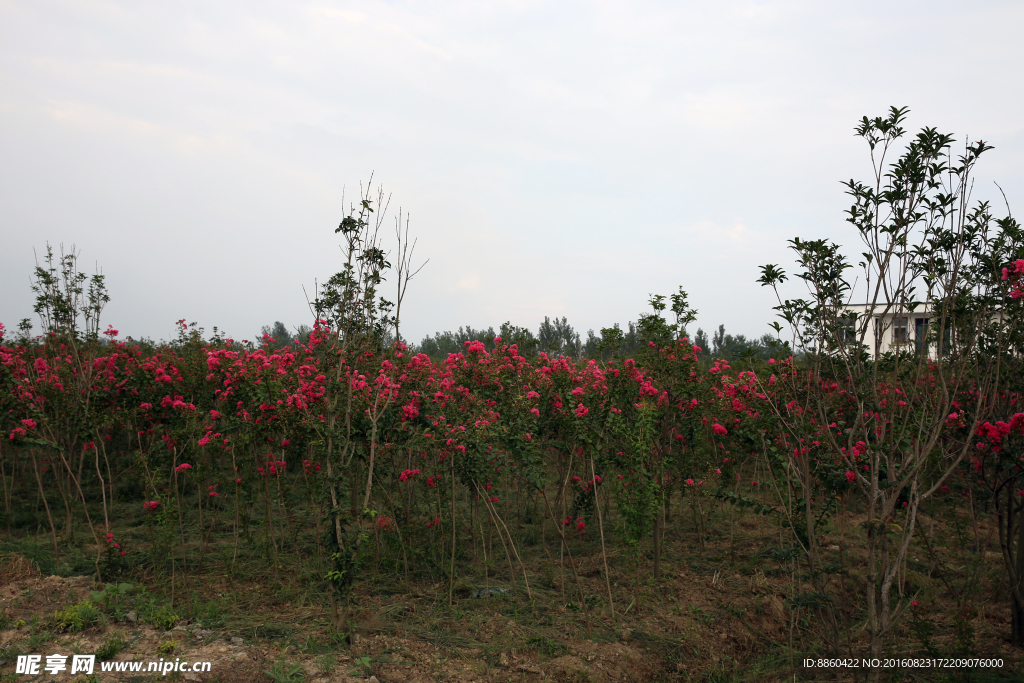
[847, 330]
[899, 330]
[921, 334]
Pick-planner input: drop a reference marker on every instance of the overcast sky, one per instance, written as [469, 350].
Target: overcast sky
[556, 158]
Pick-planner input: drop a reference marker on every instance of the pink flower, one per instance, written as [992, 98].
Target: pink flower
[150, 506]
[915, 603]
[719, 429]
[850, 476]
[581, 410]
[214, 493]
[183, 467]
[535, 412]
[532, 394]
[689, 482]
[29, 422]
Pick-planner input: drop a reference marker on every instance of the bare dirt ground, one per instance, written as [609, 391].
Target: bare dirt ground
[709, 617]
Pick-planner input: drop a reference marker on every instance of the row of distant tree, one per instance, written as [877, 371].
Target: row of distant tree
[557, 337]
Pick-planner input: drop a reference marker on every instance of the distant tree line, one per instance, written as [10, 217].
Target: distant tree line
[277, 335]
[556, 337]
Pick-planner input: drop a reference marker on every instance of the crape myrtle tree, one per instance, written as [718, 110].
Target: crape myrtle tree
[994, 471]
[888, 429]
[67, 418]
[352, 334]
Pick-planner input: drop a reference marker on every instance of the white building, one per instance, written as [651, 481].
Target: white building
[887, 330]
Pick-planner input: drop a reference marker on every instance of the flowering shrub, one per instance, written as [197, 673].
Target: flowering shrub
[403, 455]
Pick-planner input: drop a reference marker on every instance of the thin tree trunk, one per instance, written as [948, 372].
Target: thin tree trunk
[49, 517]
[604, 554]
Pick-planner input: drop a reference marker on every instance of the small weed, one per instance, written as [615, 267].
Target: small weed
[167, 647]
[9, 653]
[110, 647]
[109, 594]
[38, 640]
[211, 614]
[362, 667]
[77, 617]
[548, 646]
[283, 672]
[325, 664]
[163, 618]
[700, 616]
